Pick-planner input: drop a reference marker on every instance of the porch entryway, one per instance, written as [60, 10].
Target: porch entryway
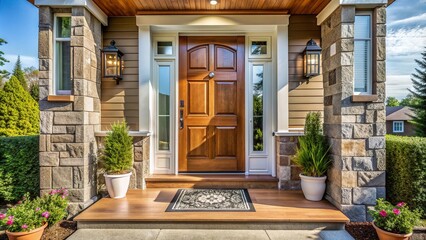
[275, 209]
[211, 104]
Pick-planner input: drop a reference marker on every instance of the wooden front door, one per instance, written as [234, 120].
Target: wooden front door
[211, 104]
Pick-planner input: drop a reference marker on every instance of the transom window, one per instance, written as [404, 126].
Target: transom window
[398, 126]
[62, 54]
[362, 53]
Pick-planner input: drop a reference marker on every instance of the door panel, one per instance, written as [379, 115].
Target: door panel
[225, 98]
[198, 98]
[211, 93]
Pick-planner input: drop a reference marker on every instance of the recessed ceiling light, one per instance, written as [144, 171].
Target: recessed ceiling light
[213, 2]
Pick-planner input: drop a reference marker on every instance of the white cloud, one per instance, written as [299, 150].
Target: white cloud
[411, 20]
[406, 41]
[27, 61]
[396, 85]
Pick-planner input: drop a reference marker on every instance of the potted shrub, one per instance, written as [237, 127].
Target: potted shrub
[312, 156]
[28, 219]
[117, 160]
[394, 222]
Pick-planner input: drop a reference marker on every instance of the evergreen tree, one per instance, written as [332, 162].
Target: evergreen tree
[419, 92]
[31, 75]
[3, 73]
[19, 113]
[19, 73]
[392, 102]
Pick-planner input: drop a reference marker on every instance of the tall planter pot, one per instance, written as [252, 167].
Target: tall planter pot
[117, 185]
[35, 234]
[385, 235]
[313, 187]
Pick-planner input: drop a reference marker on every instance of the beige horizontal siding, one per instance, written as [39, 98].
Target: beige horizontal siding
[305, 94]
[121, 102]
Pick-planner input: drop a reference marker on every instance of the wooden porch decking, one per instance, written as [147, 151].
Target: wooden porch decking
[275, 209]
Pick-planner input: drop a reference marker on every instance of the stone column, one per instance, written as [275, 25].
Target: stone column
[356, 129]
[67, 141]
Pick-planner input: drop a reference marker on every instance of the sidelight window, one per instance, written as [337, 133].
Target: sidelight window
[257, 127]
[163, 107]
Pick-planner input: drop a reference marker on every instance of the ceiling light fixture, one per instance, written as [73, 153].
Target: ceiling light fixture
[213, 2]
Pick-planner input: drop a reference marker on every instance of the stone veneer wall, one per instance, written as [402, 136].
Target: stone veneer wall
[356, 130]
[67, 141]
[287, 172]
[140, 163]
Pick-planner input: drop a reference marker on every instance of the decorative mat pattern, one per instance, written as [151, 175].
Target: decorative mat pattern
[211, 200]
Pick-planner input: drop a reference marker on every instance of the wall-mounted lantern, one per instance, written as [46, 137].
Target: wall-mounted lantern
[311, 59]
[112, 62]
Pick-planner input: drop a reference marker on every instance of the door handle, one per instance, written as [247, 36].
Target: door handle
[211, 75]
[181, 119]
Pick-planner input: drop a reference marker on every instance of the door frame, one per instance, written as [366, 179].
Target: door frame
[152, 27]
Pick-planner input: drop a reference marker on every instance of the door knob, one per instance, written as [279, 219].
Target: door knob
[211, 74]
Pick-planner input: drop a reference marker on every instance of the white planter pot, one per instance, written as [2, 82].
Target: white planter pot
[117, 185]
[313, 187]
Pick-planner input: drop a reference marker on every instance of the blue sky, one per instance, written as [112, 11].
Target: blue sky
[406, 39]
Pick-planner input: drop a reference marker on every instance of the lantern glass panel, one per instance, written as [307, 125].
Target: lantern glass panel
[112, 64]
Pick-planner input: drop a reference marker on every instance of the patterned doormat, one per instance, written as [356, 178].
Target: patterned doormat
[211, 200]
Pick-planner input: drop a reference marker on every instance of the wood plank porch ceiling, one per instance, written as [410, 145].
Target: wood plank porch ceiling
[134, 7]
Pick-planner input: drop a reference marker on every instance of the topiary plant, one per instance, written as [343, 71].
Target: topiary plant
[117, 156]
[312, 155]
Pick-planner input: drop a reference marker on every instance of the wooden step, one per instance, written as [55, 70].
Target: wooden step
[212, 181]
[275, 210]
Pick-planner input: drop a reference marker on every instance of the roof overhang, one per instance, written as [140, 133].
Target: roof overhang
[334, 4]
[88, 4]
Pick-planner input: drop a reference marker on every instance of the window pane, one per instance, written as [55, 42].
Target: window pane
[165, 48]
[164, 108]
[63, 27]
[164, 133]
[164, 90]
[257, 107]
[361, 68]
[258, 47]
[362, 26]
[63, 66]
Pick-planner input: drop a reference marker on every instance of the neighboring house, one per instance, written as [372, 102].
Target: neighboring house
[398, 121]
[221, 88]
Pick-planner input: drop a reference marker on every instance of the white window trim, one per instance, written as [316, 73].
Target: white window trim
[402, 126]
[261, 39]
[55, 90]
[370, 54]
[164, 159]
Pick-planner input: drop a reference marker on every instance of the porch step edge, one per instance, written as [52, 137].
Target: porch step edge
[214, 225]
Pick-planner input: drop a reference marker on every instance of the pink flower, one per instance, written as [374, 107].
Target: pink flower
[19, 202]
[11, 217]
[45, 214]
[25, 226]
[37, 209]
[400, 204]
[9, 222]
[383, 213]
[2, 216]
[396, 211]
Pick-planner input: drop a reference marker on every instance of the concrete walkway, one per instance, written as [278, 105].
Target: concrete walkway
[190, 234]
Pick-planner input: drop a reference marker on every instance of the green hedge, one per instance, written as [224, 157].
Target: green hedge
[19, 167]
[406, 170]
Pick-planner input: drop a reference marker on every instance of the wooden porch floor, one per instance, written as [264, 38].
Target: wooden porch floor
[272, 206]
